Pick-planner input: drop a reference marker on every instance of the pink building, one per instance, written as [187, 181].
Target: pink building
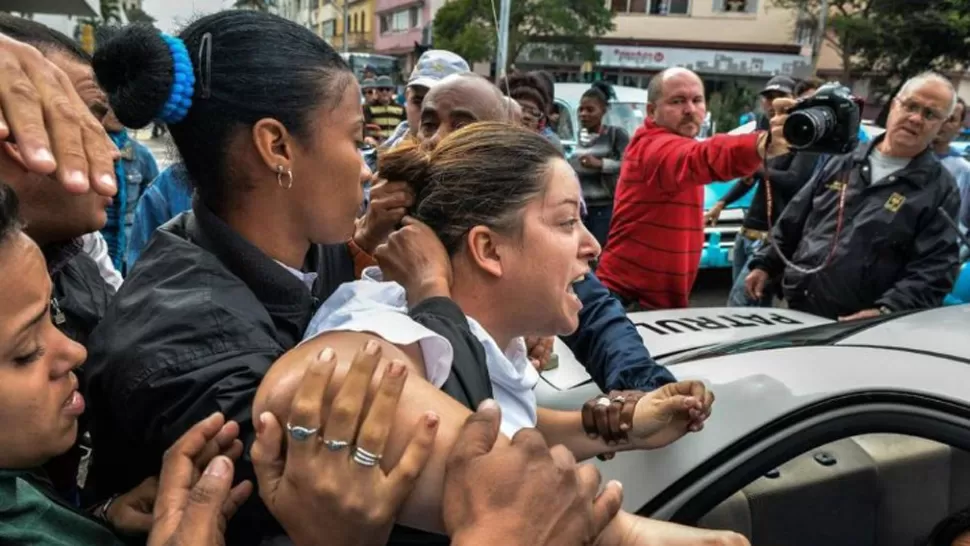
[399, 24]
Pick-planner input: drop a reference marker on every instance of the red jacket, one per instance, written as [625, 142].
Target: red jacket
[657, 232]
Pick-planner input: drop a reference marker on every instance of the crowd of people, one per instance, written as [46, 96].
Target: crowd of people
[255, 350]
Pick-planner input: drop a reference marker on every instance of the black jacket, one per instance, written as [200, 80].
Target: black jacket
[198, 322]
[79, 300]
[787, 174]
[895, 250]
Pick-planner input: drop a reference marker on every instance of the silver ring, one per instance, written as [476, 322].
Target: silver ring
[335, 445]
[603, 402]
[300, 434]
[619, 399]
[365, 458]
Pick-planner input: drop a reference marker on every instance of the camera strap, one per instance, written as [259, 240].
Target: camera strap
[844, 179]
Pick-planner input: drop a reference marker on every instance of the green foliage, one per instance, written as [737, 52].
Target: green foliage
[727, 105]
[468, 27]
[890, 41]
[258, 5]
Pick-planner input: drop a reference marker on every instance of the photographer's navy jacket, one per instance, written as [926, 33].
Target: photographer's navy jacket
[895, 250]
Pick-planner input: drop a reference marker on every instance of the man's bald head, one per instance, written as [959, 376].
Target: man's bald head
[459, 100]
[655, 89]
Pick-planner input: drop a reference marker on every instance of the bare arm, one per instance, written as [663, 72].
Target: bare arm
[566, 428]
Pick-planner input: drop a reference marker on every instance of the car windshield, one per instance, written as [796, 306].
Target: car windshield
[813, 336]
[626, 115]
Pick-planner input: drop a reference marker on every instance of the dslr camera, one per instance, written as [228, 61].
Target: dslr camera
[827, 122]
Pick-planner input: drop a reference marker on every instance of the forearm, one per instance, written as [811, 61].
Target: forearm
[566, 428]
[422, 509]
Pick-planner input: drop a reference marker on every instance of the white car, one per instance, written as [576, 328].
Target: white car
[823, 433]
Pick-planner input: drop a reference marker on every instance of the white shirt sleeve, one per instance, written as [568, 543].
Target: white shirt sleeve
[96, 247]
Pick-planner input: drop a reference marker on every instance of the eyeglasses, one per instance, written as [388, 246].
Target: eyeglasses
[370, 91]
[927, 113]
[532, 112]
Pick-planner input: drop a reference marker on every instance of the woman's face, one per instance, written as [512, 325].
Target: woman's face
[328, 173]
[531, 115]
[552, 251]
[591, 113]
[39, 400]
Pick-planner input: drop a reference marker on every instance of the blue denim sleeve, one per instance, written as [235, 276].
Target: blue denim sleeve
[146, 161]
[608, 344]
[167, 197]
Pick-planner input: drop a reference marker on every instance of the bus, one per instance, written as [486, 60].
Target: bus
[385, 65]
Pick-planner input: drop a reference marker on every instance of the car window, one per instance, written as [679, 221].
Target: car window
[814, 336]
[565, 130]
[626, 115]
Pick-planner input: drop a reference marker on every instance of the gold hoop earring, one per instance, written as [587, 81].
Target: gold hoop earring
[279, 177]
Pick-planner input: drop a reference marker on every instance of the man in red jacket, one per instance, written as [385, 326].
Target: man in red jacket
[657, 231]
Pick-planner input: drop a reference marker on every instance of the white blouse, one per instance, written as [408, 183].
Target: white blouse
[371, 305]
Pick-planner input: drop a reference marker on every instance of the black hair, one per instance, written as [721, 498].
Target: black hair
[963, 118]
[44, 38]
[602, 92]
[528, 86]
[807, 84]
[548, 85]
[256, 66]
[9, 213]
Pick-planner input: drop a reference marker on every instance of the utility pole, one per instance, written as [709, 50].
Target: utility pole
[346, 27]
[820, 37]
[502, 55]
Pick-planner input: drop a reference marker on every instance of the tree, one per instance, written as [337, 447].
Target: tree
[889, 41]
[728, 104]
[468, 27]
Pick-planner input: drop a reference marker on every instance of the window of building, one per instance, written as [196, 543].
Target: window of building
[415, 17]
[735, 6]
[385, 22]
[629, 6]
[329, 28]
[669, 7]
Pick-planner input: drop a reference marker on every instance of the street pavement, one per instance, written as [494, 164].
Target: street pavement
[710, 290]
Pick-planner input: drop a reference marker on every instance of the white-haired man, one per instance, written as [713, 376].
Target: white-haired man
[885, 245]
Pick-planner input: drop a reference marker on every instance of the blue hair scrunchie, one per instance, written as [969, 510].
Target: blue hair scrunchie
[183, 82]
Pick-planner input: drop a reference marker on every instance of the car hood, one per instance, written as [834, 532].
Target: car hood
[670, 332]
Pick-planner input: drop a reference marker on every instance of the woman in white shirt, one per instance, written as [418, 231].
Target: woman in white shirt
[506, 207]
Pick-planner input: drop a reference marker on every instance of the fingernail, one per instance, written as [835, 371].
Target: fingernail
[218, 467]
[107, 180]
[431, 419]
[261, 422]
[75, 177]
[397, 369]
[44, 154]
[617, 484]
[371, 348]
[488, 404]
[327, 354]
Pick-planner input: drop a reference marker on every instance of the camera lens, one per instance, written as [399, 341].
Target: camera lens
[806, 127]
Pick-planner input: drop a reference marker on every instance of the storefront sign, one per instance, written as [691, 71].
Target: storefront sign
[702, 61]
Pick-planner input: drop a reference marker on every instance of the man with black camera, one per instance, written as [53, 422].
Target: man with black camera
[868, 234]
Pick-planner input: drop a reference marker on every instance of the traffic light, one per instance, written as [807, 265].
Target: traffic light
[87, 37]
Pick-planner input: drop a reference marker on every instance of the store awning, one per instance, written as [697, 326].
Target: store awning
[82, 8]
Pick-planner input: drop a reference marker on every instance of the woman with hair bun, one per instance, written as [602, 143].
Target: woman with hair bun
[267, 120]
[599, 152]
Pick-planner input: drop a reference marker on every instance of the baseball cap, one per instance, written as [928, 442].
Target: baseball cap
[779, 84]
[384, 82]
[435, 65]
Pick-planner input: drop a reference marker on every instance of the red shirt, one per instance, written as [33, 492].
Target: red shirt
[657, 232]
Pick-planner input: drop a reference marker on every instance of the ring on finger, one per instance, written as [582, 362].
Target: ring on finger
[335, 445]
[365, 458]
[300, 434]
[603, 402]
[619, 399]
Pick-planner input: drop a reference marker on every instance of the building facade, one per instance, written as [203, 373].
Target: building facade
[401, 24]
[725, 41]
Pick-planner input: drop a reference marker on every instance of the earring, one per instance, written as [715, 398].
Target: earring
[280, 173]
